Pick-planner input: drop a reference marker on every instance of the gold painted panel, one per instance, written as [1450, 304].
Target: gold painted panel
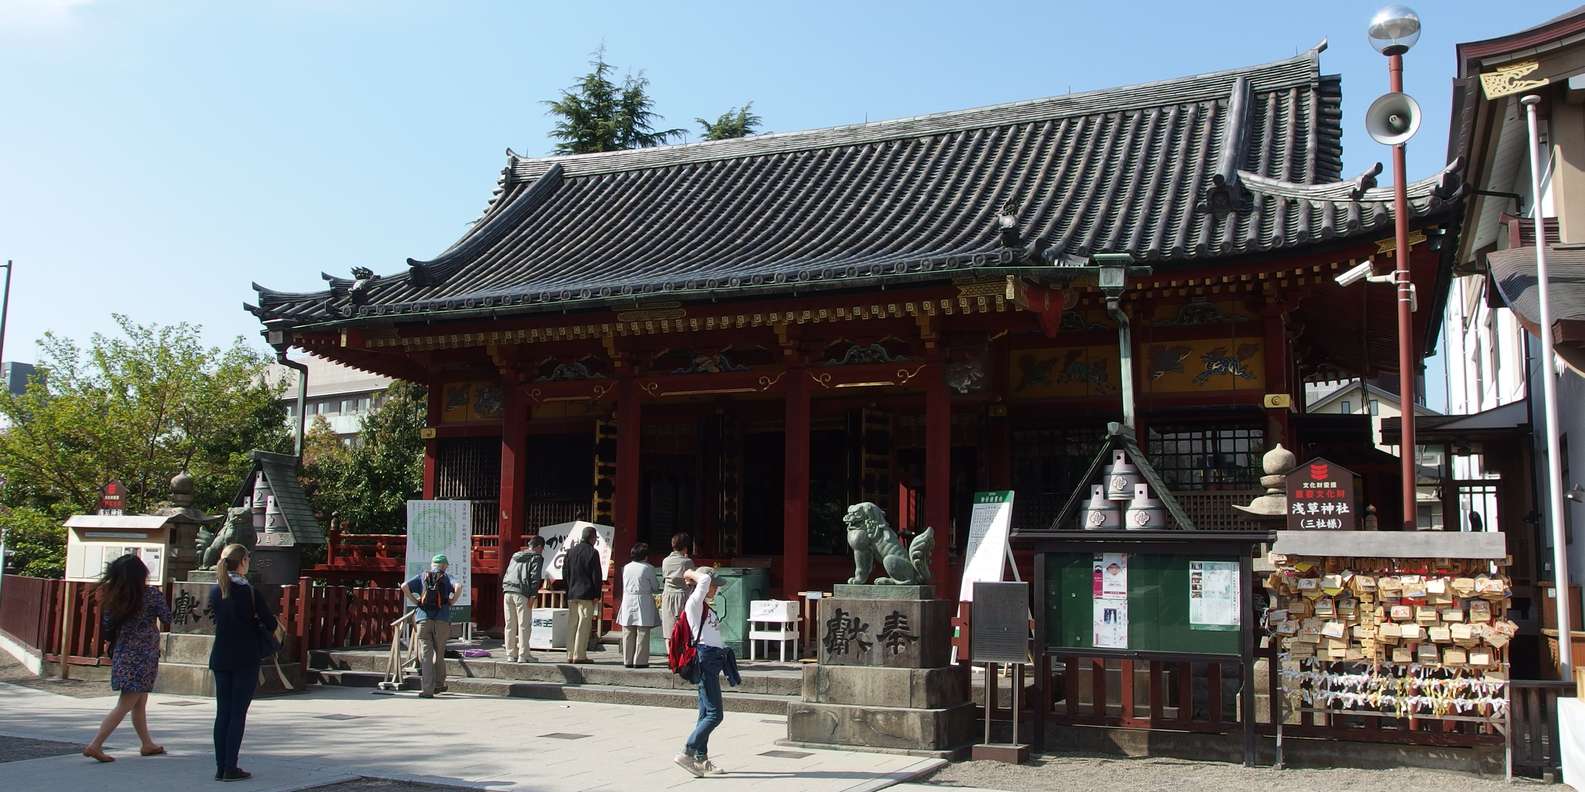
[1204, 365]
[1064, 372]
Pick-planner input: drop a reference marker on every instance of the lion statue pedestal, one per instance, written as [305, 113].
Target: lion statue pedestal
[885, 677]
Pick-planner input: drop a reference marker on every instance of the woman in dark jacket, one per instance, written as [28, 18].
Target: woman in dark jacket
[242, 620]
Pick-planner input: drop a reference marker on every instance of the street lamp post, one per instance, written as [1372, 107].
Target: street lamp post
[1393, 30]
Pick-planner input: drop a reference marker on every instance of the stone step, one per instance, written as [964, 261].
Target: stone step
[735, 699]
[783, 681]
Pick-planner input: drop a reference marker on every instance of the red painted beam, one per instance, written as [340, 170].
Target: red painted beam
[938, 464]
[628, 469]
[515, 414]
[795, 484]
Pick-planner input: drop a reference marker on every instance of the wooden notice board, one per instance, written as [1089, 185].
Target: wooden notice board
[1158, 604]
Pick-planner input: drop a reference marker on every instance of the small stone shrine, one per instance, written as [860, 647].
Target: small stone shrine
[885, 677]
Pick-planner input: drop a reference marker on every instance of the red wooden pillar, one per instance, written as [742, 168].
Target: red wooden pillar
[938, 463]
[795, 486]
[625, 509]
[514, 458]
[431, 445]
[1279, 420]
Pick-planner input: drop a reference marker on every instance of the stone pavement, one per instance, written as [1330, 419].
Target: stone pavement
[330, 735]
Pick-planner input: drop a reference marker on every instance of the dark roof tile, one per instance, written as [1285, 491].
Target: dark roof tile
[1144, 169]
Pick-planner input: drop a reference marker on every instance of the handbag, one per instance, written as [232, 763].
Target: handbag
[269, 640]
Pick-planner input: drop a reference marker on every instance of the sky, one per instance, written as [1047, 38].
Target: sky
[157, 157]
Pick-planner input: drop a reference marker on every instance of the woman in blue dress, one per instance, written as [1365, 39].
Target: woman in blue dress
[132, 611]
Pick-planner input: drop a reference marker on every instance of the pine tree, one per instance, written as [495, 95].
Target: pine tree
[734, 123]
[596, 114]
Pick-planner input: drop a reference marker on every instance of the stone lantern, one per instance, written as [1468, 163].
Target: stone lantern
[1276, 464]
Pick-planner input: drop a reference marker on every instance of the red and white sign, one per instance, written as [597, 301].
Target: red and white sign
[111, 498]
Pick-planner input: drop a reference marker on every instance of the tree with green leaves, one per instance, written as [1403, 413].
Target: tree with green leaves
[138, 407]
[596, 114]
[367, 483]
[734, 123]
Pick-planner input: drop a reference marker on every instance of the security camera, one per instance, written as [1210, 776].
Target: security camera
[1576, 494]
[1354, 275]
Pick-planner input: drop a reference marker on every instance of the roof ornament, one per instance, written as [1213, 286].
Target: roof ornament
[1227, 192]
[1450, 182]
[1007, 225]
[1364, 181]
[362, 284]
[417, 275]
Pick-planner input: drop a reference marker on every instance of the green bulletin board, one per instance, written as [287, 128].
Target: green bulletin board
[1158, 597]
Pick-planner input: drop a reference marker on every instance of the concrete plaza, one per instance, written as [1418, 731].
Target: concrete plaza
[336, 734]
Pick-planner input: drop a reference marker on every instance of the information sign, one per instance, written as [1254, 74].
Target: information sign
[442, 526]
[988, 548]
[1321, 497]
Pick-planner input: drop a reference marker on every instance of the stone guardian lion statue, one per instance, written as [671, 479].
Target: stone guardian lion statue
[872, 539]
[238, 530]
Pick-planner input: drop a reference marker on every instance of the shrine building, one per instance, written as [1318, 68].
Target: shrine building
[740, 338]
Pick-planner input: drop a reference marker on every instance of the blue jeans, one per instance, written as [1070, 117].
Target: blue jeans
[233, 693]
[711, 660]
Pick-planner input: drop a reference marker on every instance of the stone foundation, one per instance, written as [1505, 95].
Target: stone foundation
[884, 681]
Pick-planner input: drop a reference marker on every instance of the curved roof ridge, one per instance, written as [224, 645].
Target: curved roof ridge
[1206, 86]
[1344, 190]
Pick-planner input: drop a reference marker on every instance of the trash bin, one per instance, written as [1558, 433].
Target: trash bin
[739, 586]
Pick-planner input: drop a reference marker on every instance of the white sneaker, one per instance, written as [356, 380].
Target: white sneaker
[690, 764]
[709, 767]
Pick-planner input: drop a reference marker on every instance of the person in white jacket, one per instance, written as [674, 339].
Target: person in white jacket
[715, 658]
[637, 614]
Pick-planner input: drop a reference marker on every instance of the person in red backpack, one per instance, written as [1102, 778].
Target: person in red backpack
[713, 658]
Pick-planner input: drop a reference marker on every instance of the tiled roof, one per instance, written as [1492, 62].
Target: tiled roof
[1513, 272]
[1184, 170]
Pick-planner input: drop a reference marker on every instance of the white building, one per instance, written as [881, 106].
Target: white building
[1493, 357]
[342, 395]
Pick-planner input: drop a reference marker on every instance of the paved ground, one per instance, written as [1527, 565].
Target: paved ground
[332, 736]
[17, 674]
[1076, 772]
[17, 749]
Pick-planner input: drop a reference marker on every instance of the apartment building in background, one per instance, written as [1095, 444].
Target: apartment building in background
[342, 395]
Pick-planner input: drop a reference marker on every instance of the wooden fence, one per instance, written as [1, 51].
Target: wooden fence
[1532, 733]
[33, 612]
[23, 608]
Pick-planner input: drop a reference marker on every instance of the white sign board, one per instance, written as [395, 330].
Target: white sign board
[561, 536]
[442, 526]
[548, 628]
[989, 525]
[1213, 595]
[1110, 605]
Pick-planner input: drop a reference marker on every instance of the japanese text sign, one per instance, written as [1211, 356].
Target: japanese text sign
[1321, 497]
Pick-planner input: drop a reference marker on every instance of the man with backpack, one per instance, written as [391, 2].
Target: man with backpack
[582, 572]
[519, 587]
[432, 594]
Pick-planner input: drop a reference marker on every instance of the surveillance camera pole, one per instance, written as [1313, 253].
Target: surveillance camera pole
[1401, 276]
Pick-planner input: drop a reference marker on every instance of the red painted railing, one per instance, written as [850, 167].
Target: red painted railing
[24, 609]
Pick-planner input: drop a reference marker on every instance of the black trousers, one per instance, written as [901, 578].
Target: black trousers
[233, 693]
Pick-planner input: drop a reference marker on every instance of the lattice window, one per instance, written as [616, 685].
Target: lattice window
[1207, 457]
[468, 468]
[1047, 466]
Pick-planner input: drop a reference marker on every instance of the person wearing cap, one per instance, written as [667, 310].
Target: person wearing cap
[432, 594]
